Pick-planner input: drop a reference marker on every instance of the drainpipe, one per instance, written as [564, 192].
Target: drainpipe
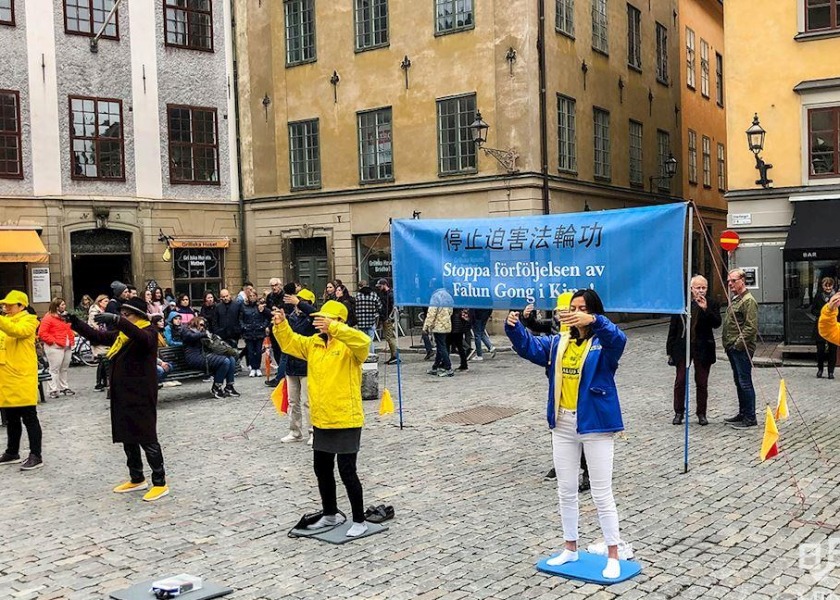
[543, 116]
[241, 208]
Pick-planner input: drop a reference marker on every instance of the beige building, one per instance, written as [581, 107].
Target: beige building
[703, 117]
[358, 111]
[108, 156]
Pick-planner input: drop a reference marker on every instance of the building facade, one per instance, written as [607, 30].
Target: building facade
[113, 148]
[359, 111]
[703, 118]
[789, 233]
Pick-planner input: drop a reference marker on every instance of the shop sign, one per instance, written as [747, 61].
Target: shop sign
[40, 284]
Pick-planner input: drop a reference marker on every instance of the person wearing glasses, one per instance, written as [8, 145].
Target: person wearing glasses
[583, 411]
[740, 330]
[134, 391]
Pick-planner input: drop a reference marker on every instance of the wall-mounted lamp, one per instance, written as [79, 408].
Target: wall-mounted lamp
[405, 65]
[168, 239]
[266, 101]
[584, 68]
[334, 82]
[755, 140]
[510, 57]
[506, 158]
[416, 214]
[670, 166]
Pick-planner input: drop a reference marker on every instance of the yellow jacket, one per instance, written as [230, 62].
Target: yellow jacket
[18, 361]
[828, 326]
[334, 372]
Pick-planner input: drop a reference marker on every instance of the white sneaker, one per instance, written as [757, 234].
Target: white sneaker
[257, 373]
[252, 373]
[478, 358]
[357, 529]
[291, 437]
[309, 441]
[326, 521]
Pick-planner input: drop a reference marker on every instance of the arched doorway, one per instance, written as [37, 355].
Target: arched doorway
[99, 256]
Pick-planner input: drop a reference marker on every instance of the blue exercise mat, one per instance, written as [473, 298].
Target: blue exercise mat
[588, 568]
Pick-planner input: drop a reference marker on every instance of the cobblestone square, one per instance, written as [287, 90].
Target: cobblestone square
[473, 514]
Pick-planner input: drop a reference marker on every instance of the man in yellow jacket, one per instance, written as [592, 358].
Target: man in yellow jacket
[334, 360]
[828, 326]
[19, 380]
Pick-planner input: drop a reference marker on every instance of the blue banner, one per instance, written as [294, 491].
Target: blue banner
[632, 257]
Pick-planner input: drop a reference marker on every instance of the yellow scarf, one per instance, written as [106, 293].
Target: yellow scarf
[123, 338]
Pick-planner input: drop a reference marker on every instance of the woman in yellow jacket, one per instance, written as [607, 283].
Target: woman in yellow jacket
[828, 326]
[334, 360]
[19, 380]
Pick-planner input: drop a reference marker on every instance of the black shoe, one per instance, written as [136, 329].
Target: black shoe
[736, 419]
[745, 424]
[429, 356]
[99, 388]
[678, 419]
[32, 463]
[552, 474]
[702, 419]
[831, 375]
[231, 391]
[463, 368]
[392, 361]
[272, 382]
[9, 459]
[584, 483]
[217, 391]
[819, 373]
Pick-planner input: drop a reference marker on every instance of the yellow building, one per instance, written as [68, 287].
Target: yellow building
[703, 116]
[789, 232]
[356, 112]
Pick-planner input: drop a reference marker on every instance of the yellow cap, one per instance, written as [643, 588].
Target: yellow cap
[307, 295]
[16, 297]
[332, 309]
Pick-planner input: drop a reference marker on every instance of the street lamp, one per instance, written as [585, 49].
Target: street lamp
[670, 170]
[506, 158]
[755, 141]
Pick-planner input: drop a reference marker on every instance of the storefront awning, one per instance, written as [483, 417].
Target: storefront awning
[200, 243]
[814, 233]
[22, 246]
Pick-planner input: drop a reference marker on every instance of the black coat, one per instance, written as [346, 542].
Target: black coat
[194, 353]
[301, 323]
[225, 321]
[253, 322]
[459, 325]
[133, 380]
[703, 343]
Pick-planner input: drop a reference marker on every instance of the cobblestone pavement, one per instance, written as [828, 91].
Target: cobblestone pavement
[473, 514]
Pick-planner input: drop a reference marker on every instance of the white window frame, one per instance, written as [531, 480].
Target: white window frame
[636, 162]
[692, 157]
[564, 20]
[600, 27]
[721, 161]
[662, 53]
[602, 168]
[663, 151]
[634, 37]
[566, 134]
[704, 68]
[690, 73]
[707, 161]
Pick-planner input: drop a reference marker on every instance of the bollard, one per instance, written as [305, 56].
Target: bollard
[370, 378]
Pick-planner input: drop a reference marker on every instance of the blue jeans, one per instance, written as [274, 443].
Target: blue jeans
[225, 372]
[442, 356]
[427, 343]
[742, 373]
[371, 333]
[480, 334]
[253, 349]
[161, 373]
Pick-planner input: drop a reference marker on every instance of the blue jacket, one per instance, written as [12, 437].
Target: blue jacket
[172, 333]
[598, 410]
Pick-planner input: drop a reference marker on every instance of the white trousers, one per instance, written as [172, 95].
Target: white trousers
[298, 405]
[598, 448]
[59, 359]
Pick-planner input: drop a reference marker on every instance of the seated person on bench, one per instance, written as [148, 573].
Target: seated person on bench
[196, 356]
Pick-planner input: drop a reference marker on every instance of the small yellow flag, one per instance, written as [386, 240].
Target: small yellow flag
[280, 398]
[386, 405]
[769, 445]
[781, 405]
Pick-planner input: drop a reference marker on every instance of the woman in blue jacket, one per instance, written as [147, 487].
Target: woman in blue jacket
[583, 412]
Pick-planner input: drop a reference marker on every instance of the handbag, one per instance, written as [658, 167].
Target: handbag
[216, 345]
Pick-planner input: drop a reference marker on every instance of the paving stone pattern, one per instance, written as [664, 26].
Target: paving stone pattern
[473, 514]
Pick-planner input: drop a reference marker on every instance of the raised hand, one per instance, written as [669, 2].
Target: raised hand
[278, 315]
[513, 318]
[834, 301]
[576, 318]
[322, 324]
[106, 318]
[528, 310]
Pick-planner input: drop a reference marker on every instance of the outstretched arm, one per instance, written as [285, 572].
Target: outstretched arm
[535, 349]
[20, 329]
[289, 341]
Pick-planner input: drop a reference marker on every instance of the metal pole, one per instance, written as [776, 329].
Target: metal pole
[94, 42]
[396, 315]
[688, 335]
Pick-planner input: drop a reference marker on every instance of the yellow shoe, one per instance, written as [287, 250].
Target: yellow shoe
[131, 487]
[157, 492]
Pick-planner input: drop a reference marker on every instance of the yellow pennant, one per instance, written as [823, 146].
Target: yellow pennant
[386, 405]
[781, 404]
[280, 398]
[770, 442]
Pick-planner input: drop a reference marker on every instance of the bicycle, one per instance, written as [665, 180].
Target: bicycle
[82, 353]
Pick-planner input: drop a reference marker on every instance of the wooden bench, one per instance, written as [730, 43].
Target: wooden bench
[43, 375]
[179, 369]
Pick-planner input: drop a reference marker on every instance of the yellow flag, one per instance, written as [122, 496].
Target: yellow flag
[280, 398]
[769, 445]
[781, 405]
[386, 405]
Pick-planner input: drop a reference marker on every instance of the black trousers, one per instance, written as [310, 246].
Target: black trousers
[29, 416]
[826, 353]
[102, 372]
[456, 342]
[154, 456]
[324, 463]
